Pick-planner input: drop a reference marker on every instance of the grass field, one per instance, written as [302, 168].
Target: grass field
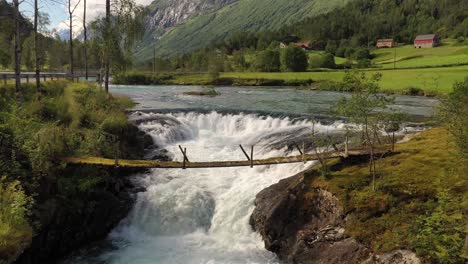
[434, 81]
[450, 53]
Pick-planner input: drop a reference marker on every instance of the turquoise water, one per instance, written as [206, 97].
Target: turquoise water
[266, 100]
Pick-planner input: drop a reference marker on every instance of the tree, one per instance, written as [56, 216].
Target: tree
[118, 32]
[107, 39]
[19, 92]
[71, 11]
[268, 61]
[294, 59]
[453, 111]
[328, 61]
[36, 49]
[368, 108]
[85, 43]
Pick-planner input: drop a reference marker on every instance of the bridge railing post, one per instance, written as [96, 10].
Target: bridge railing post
[251, 156]
[4, 79]
[185, 159]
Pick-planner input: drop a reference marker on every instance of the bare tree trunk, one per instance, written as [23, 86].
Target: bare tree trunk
[70, 13]
[19, 92]
[36, 51]
[107, 47]
[372, 162]
[85, 41]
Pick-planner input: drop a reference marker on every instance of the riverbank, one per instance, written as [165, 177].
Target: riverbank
[418, 205]
[48, 208]
[436, 81]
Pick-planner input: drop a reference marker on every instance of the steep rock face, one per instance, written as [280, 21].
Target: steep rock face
[305, 225]
[168, 13]
[301, 232]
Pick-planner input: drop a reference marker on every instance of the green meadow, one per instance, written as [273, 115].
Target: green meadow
[449, 53]
[431, 80]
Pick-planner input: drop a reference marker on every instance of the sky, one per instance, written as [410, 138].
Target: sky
[58, 11]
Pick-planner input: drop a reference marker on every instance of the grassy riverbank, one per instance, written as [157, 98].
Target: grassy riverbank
[420, 202]
[423, 81]
[70, 119]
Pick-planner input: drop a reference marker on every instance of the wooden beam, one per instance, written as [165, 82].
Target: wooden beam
[245, 152]
[298, 148]
[251, 156]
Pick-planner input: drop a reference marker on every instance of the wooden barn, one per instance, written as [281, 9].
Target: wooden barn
[426, 41]
[384, 43]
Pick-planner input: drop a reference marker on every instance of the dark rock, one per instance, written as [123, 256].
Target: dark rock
[66, 225]
[304, 232]
[302, 224]
[138, 190]
[394, 257]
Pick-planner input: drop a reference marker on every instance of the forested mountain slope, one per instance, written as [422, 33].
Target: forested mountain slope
[182, 25]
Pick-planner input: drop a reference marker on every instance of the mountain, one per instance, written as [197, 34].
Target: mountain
[181, 26]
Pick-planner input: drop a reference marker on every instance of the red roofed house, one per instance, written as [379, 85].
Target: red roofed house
[303, 45]
[426, 41]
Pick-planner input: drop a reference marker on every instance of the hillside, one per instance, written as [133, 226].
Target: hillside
[205, 23]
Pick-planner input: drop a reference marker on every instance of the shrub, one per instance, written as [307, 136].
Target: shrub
[294, 59]
[268, 61]
[328, 61]
[438, 236]
[412, 90]
[115, 125]
[15, 230]
[364, 63]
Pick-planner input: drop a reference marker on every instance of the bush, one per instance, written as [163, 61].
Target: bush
[412, 90]
[115, 125]
[438, 236]
[294, 59]
[364, 63]
[15, 230]
[268, 61]
[328, 61]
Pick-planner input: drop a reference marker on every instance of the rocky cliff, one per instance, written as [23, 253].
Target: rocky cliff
[168, 13]
[302, 224]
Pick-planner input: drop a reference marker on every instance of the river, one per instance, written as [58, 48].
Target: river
[202, 215]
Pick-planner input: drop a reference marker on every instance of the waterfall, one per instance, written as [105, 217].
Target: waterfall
[202, 215]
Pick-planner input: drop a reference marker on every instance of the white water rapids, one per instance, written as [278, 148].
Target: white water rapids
[202, 215]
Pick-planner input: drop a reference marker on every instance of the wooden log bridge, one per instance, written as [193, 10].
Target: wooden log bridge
[185, 164]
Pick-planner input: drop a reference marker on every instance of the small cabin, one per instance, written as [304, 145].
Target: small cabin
[426, 41]
[384, 43]
[283, 45]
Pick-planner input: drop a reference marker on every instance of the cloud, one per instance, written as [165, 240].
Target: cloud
[94, 9]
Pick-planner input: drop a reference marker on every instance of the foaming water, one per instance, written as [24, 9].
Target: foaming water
[202, 215]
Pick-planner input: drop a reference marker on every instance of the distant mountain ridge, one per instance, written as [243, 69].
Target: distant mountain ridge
[179, 26]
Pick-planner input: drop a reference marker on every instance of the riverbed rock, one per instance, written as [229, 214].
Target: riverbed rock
[302, 224]
[394, 257]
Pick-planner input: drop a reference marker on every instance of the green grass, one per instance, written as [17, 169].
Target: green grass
[431, 80]
[418, 204]
[450, 53]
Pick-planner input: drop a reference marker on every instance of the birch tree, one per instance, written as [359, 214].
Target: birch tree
[71, 10]
[19, 92]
